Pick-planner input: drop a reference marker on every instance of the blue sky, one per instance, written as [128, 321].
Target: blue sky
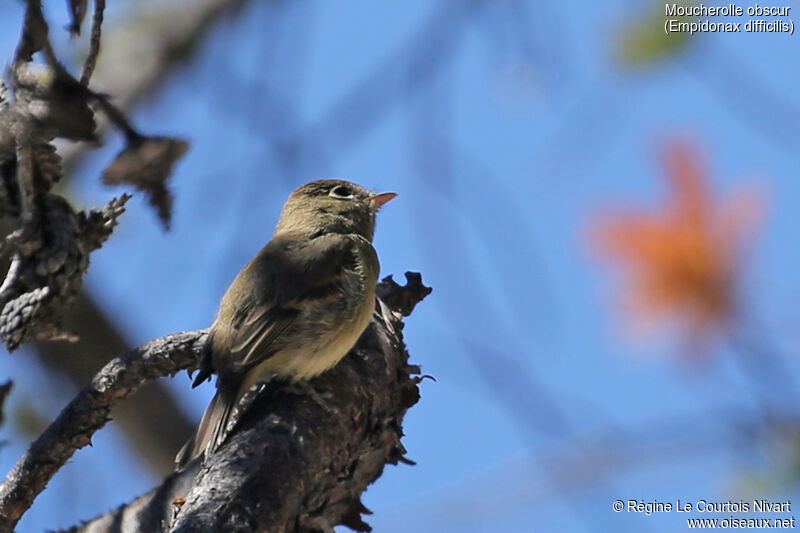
[524, 126]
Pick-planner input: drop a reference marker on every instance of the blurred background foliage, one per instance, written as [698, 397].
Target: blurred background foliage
[567, 174]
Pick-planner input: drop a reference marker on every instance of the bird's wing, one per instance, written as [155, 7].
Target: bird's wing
[255, 341]
[304, 272]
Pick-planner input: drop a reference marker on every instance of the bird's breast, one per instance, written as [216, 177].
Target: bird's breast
[327, 330]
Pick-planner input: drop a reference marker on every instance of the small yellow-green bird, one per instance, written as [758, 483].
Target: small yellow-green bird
[298, 306]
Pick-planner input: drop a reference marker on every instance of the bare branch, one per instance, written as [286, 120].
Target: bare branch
[151, 419]
[87, 413]
[94, 42]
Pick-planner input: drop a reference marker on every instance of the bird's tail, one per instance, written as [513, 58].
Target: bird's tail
[212, 431]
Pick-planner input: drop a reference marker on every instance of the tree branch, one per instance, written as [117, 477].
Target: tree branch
[94, 43]
[301, 456]
[151, 418]
[88, 412]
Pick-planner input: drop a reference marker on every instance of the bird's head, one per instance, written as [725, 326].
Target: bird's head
[330, 206]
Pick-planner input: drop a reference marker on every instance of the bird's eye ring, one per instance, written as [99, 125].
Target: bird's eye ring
[342, 192]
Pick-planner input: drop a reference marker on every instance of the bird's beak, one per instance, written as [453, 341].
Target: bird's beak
[379, 199]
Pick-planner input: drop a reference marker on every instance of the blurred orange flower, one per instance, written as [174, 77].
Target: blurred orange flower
[683, 260]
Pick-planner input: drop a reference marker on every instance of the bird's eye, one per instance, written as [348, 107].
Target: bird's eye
[341, 191]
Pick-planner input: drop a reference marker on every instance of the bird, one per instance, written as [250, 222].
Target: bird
[297, 307]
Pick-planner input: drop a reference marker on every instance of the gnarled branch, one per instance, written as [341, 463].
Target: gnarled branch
[88, 412]
[299, 459]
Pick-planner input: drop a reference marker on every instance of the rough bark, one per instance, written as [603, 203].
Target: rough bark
[151, 419]
[301, 462]
[87, 413]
